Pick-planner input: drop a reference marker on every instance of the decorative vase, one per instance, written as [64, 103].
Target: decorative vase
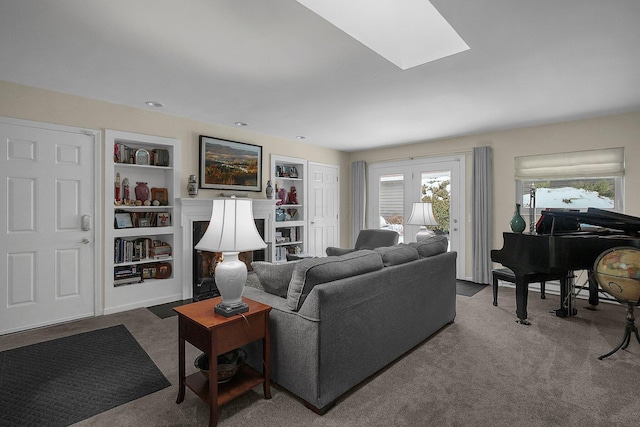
[192, 186]
[517, 222]
[282, 195]
[269, 190]
[142, 191]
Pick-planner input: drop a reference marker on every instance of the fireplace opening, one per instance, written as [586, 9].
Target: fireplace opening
[204, 263]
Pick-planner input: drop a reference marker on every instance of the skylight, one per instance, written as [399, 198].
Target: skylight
[408, 33]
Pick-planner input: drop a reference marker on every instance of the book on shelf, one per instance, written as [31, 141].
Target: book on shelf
[124, 271]
[125, 154]
[162, 250]
[127, 280]
[126, 250]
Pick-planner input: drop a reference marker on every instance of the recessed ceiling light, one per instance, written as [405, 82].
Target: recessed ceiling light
[301, 137]
[241, 124]
[154, 104]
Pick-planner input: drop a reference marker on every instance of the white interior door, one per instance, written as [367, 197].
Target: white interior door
[323, 208]
[47, 263]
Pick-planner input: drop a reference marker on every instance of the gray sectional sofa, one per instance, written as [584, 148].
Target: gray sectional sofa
[337, 320]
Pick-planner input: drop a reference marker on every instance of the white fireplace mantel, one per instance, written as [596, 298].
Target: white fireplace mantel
[199, 209]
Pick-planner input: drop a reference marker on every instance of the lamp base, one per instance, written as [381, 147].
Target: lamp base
[424, 234]
[229, 310]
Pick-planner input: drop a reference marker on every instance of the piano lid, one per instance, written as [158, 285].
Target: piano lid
[626, 224]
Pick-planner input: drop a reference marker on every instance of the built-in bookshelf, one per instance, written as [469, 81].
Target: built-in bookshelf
[288, 175]
[142, 194]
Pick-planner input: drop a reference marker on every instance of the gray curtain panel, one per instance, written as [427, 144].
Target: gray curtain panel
[358, 198]
[482, 217]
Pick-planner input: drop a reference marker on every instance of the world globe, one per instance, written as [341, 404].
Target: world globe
[617, 270]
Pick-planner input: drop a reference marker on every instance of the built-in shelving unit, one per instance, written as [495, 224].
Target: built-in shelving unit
[143, 240]
[289, 234]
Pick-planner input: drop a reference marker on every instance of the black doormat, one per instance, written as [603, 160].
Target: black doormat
[66, 380]
[166, 310]
[468, 289]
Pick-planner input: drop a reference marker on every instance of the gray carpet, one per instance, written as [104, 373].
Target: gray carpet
[482, 370]
[66, 380]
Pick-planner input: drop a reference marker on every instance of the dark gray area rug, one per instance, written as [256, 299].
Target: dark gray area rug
[468, 289]
[66, 380]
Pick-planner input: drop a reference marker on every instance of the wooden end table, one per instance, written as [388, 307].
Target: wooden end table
[215, 335]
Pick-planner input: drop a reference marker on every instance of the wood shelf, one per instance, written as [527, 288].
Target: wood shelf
[246, 379]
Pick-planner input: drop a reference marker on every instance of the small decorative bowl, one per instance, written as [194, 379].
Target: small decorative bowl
[228, 364]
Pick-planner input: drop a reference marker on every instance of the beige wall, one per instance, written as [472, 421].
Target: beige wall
[613, 131]
[27, 103]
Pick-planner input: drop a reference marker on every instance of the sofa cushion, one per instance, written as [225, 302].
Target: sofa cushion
[431, 246]
[397, 254]
[310, 272]
[274, 278]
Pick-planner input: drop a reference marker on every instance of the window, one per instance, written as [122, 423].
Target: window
[577, 180]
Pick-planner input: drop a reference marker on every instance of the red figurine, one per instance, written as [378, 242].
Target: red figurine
[293, 196]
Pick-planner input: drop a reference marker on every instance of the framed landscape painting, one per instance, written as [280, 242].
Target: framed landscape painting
[230, 165]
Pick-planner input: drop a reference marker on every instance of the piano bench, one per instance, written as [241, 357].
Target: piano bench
[507, 275]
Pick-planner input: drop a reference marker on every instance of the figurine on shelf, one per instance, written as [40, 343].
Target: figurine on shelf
[293, 196]
[125, 187]
[117, 185]
[282, 195]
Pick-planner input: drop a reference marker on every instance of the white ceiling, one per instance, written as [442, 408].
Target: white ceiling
[286, 71]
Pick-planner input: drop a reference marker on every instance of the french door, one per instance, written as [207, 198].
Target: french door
[393, 187]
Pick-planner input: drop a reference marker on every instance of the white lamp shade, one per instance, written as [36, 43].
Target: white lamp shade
[232, 228]
[422, 214]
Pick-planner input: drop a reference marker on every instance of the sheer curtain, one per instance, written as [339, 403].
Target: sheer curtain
[482, 206]
[358, 198]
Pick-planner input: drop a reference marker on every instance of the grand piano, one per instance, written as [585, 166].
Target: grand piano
[565, 241]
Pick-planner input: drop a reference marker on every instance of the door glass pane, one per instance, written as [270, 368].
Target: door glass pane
[391, 202]
[436, 189]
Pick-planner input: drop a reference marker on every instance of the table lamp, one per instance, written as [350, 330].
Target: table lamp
[231, 230]
[422, 215]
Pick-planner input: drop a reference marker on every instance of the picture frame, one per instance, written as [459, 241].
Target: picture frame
[163, 219]
[161, 195]
[123, 220]
[163, 270]
[149, 271]
[143, 222]
[230, 165]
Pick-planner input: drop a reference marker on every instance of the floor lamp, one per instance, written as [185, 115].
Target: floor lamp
[422, 215]
[231, 230]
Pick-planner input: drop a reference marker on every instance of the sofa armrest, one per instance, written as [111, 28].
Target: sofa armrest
[331, 251]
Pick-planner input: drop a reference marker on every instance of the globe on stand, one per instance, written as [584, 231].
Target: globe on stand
[617, 270]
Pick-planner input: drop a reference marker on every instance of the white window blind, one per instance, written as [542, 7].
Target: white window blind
[591, 163]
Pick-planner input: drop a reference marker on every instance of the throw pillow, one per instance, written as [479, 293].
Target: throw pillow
[397, 254]
[313, 271]
[274, 278]
[431, 246]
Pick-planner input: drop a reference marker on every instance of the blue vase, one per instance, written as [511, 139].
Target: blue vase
[517, 222]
